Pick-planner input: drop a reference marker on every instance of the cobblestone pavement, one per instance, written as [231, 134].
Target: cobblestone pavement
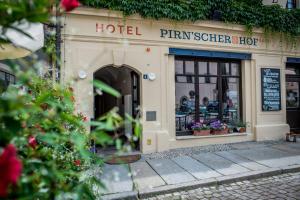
[285, 186]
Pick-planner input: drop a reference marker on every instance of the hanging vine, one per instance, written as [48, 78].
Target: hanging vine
[251, 13]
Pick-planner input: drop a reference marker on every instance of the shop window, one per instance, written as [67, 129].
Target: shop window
[5, 80]
[291, 4]
[211, 92]
[292, 87]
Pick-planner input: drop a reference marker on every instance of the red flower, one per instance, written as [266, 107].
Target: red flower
[23, 124]
[77, 163]
[44, 106]
[85, 119]
[72, 98]
[10, 169]
[32, 142]
[69, 5]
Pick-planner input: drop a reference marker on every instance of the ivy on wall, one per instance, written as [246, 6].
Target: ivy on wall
[251, 13]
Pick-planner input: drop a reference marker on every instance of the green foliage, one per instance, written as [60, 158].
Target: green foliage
[39, 108]
[46, 112]
[251, 13]
[38, 117]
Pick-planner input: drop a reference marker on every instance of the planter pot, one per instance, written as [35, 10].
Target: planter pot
[220, 132]
[202, 132]
[241, 129]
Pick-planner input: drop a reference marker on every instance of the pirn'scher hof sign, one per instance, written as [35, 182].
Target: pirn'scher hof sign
[183, 35]
[270, 86]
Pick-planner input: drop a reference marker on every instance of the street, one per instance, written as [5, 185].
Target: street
[285, 186]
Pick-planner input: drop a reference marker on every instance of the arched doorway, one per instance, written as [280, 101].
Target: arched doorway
[127, 82]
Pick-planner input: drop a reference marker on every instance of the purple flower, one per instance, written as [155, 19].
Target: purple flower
[197, 126]
[218, 125]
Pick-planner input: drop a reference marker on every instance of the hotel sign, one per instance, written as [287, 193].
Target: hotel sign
[182, 35]
[208, 37]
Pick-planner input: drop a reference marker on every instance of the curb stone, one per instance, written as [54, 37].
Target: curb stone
[123, 195]
[218, 181]
[147, 193]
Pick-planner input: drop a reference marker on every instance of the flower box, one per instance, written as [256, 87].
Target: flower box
[220, 132]
[241, 129]
[201, 132]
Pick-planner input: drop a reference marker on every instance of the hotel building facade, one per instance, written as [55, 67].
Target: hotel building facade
[173, 74]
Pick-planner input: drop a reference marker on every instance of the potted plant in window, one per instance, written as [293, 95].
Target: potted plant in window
[200, 129]
[241, 126]
[218, 128]
[231, 127]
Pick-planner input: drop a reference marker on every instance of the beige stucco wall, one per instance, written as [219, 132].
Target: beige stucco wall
[86, 49]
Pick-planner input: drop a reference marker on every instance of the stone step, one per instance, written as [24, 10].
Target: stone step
[220, 164]
[144, 176]
[197, 169]
[170, 172]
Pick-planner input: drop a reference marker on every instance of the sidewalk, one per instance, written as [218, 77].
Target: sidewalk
[195, 167]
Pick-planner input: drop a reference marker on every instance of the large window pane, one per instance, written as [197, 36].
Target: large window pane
[185, 105]
[202, 68]
[208, 100]
[225, 68]
[213, 68]
[231, 100]
[235, 70]
[189, 67]
[178, 66]
[292, 94]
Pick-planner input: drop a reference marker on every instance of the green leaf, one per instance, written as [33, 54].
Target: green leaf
[106, 88]
[102, 138]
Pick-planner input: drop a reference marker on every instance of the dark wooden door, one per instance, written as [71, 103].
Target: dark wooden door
[135, 91]
[292, 95]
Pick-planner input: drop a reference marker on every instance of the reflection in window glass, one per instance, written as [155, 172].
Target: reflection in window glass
[189, 67]
[5, 80]
[231, 99]
[291, 71]
[185, 105]
[178, 66]
[202, 67]
[292, 94]
[213, 80]
[181, 79]
[232, 80]
[213, 68]
[215, 95]
[235, 69]
[202, 79]
[225, 70]
[208, 100]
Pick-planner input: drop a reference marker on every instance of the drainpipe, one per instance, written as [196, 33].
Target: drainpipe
[57, 45]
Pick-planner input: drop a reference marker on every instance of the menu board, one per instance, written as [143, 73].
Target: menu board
[271, 89]
[270, 86]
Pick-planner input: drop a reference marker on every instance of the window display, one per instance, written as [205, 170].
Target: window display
[209, 96]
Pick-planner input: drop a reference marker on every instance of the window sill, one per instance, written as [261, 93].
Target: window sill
[210, 136]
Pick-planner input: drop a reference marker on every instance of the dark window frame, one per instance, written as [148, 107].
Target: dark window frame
[293, 78]
[7, 77]
[219, 77]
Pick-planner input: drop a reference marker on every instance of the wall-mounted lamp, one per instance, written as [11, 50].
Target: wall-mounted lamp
[82, 74]
[150, 76]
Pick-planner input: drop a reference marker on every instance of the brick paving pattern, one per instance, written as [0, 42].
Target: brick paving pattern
[285, 186]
